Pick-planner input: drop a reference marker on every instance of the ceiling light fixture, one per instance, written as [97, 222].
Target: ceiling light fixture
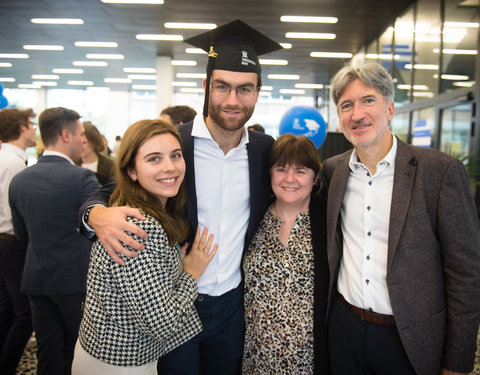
[286, 45]
[184, 84]
[308, 19]
[198, 51]
[186, 25]
[267, 88]
[90, 63]
[7, 79]
[14, 56]
[191, 90]
[67, 71]
[422, 66]
[97, 44]
[43, 47]
[184, 63]
[461, 24]
[5, 65]
[415, 87]
[273, 62]
[296, 35]
[44, 83]
[333, 55]
[464, 84]
[452, 77]
[45, 76]
[106, 56]
[58, 21]
[28, 86]
[284, 76]
[164, 37]
[317, 86]
[452, 51]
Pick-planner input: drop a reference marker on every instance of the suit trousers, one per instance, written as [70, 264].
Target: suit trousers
[15, 318]
[358, 347]
[218, 349]
[56, 320]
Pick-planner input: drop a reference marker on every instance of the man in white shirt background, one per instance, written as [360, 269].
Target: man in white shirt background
[17, 133]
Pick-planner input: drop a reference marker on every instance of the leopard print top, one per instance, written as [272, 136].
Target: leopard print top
[279, 300]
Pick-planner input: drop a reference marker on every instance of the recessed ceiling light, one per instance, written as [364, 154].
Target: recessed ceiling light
[43, 47]
[44, 83]
[67, 71]
[106, 56]
[45, 76]
[292, 91]
[58, 21]
[28, 86]
[139, 70]
[5, 65]
[309, 86]
[415, 87]
[191, 90]
[381, 56]
[334, 55]
[97, 44]
[273, 62]
[461, 24]
[452, 51]
[267, 88]
[422, 66]
[184, 84]
[423, 94]
[118, 80]
[144, 87]
[191, 75]
[286, 45]
[283, 76]
[186, 25]
[464, 84]
[164, 37]
[184, 63]
[151, 2]
[90, 63]
[80, 83]
[453, 77]
[291, 35]
[7, 79]
[14, 56]
[144, 77]
[195, 51]
[265, 93]
[308, 19]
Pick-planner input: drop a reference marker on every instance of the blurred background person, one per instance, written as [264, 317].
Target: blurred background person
[17, 132]
[91, 157]
[116, 145]
[257, 128]
[178, 114]
[286, 269]
[44, 200]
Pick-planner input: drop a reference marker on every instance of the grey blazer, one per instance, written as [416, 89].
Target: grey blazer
[433, 270]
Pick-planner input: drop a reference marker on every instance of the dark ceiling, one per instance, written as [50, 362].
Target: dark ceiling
[359, 22]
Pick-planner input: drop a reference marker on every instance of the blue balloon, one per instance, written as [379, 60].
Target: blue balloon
[304, 120]
[1, 88]
[3, 102]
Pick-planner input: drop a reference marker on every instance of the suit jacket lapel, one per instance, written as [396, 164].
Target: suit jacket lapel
[188, 143]
[405, 170]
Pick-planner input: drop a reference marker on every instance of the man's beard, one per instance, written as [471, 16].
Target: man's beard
[217, 115]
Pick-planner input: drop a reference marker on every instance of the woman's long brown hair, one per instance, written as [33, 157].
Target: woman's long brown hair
[131, 193]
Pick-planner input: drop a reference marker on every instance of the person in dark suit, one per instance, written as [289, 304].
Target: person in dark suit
[45, 199]
[228, 189]
[403, 243]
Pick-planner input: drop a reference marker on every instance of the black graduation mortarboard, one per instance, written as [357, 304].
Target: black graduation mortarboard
[234, 46]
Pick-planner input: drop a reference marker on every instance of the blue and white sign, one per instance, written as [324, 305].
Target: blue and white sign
[304, 120]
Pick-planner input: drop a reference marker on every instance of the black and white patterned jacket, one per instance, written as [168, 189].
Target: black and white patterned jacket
[138, 312]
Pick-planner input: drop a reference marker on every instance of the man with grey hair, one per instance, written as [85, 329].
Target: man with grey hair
[403, 243]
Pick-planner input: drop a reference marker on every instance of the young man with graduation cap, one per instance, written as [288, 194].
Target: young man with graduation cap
[228, 188]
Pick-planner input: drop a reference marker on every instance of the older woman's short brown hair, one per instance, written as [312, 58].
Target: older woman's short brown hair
[10, 121]
[94, 137]
[289, 149]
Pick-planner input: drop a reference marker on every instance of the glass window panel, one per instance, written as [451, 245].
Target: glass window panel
[427, 38]
[423, 127]
[455, 129]
[399, 126]
[459, 45]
